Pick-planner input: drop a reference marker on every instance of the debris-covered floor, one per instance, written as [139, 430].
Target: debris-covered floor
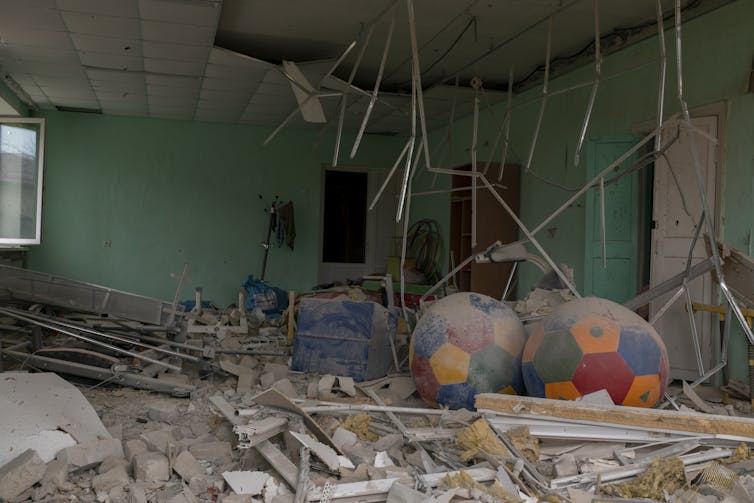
[371, 441]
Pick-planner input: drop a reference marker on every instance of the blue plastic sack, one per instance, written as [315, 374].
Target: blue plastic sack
[271, 300]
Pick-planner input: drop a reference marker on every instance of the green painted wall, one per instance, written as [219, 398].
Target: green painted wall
[167, 192]
[717, 58]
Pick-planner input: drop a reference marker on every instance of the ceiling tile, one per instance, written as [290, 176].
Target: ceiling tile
[173, 81]
[177, 101]
[40, 69]
[97, 24]
[96, 74]
[161, 108]
[186, 92]
[133, 111]
[177, 33]
[201, 13]
[172, 67]
[129, 101]
[224, 106]
[108, 45]
[17, 15]
[225, 96]
[117, 8]
[235, 72]
[229, 85]
[114, 86]
[36, 38]
[112, 61]
[39, 54]
[164, 50]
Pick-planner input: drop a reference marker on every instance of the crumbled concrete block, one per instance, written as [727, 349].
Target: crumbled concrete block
[134, 447]
[89, 454]
[324, 386]
[20, 474]
[116, 430]
[400, 493]
[566, 466]
[137, 493]
[187, 466]
[249, 362]
[357, 475]
[185, 496]
[159, 440]
[163, 410]
[200, 484]
[343, 437]
[267, 379]
[285, 387]
[279, 370]
[236, 498]
[151, 467]
[56, 472]
[103, 482]
[214, 452]
[360, 455]
[387, 442]
[111, 462]
[347, 385]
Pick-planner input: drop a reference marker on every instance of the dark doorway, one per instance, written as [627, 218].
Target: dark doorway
[344, 234]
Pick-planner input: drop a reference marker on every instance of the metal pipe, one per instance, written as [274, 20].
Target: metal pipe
[89, 340]
[595, 85]
[532, 239]
[344, 98]
[449, 136]
[544, 95]
[445, 278]
[389, 176]
[663, 72]
[510, 280]
[694, 331]
[455, 189]
[377, 83]
[603, 229]
[474, 135]
[407, 169]
[594, 180]
[667, 305]
[417, 81]
[76, 326]
[507, 126]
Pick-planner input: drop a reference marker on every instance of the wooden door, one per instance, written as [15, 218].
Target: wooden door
[493, 224]
[677, 207]
[618, 280]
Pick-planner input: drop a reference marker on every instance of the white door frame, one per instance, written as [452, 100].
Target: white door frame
[711, 355]
[374, 261]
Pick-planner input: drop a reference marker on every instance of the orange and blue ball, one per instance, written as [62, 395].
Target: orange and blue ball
[591, 344]
[466, 343]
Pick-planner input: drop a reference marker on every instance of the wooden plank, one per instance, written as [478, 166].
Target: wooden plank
[633, 416]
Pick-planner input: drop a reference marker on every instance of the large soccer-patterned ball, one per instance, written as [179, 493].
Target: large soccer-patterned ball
[465, 344]
[591, 344]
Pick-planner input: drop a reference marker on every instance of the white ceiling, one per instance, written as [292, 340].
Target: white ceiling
[218, 60]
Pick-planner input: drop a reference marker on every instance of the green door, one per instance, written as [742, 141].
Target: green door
[618, 281]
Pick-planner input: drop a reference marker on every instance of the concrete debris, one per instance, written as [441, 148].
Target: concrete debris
[252, 483]
[116, 476]
[90, 454]
[246, 434]
[20, 474]
[151, 467]
[187, 466]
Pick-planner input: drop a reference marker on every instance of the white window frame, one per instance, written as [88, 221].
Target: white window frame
[37, 239]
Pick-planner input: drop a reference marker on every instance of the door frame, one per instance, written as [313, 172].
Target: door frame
[592, 212]
[375, 176]
[718, 110]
